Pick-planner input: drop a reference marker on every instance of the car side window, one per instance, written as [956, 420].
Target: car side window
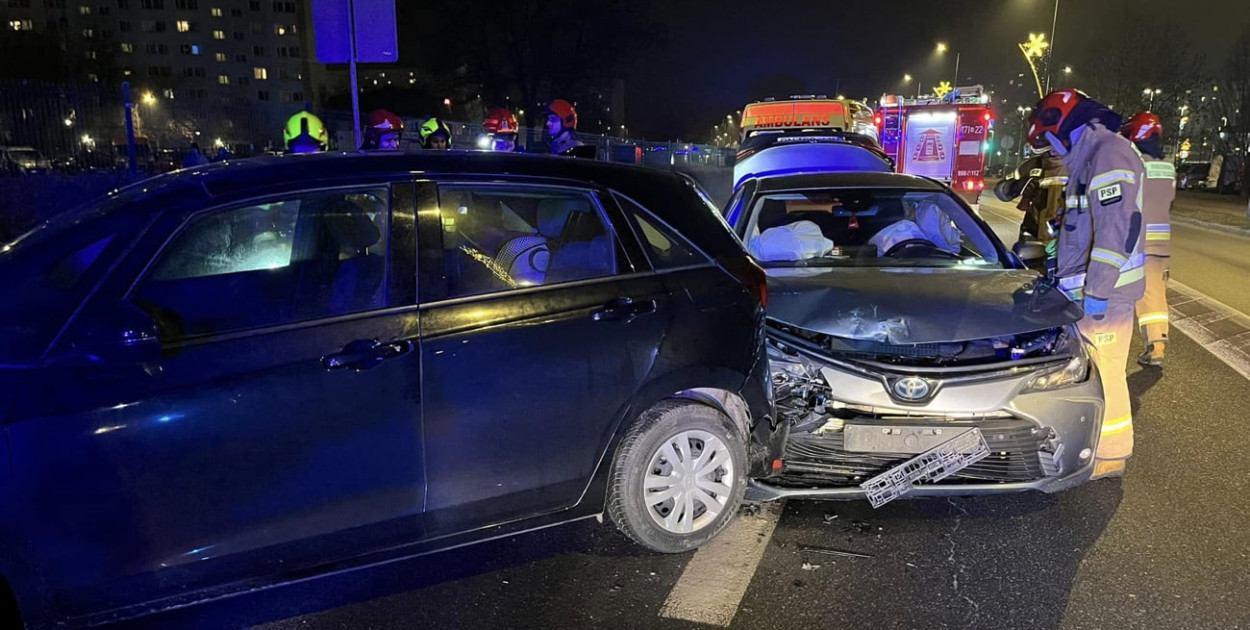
[297, 258]
[664, 246]
[498, 238]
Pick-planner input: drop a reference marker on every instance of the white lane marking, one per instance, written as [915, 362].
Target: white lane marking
[714, 581]
[1233, 351]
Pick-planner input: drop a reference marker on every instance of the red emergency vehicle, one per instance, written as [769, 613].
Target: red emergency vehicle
[946, 139]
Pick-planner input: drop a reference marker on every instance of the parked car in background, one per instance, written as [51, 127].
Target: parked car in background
[1193, 176]
[247, 373]
[23, 161]
[896, 321]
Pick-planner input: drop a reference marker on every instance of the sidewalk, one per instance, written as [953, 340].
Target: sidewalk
[1209, 208]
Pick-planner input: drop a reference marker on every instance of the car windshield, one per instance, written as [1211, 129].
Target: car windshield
[866, 227]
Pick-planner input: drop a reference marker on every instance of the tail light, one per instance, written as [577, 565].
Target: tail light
[973, 184]
[750, 274]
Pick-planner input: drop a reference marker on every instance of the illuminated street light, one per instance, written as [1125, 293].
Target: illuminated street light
[941, 48]
[1067, 69]
[1151, 94]
[906, 78]
[149, 98]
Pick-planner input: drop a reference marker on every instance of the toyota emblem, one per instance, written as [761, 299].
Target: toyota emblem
[911, 389]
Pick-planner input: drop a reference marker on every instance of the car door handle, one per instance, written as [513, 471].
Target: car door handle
[623, 309]
[364, 354]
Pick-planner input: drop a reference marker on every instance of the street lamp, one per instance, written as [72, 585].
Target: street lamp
[906, 78]
[941, 49]
[149, 98]
[1067, 69]
[1151, 94]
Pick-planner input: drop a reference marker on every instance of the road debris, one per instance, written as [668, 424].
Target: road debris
[835, 552]
[807, 566]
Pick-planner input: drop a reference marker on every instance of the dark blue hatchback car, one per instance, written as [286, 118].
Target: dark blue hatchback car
[252, 372]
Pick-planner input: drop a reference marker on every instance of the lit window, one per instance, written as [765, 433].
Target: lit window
[219, 34]
[87, 33]
[183, 26]
[128, 48]
[93, 77]
[223, 79]
[84, 10]
[260, 74]
[279, 29]
[220, 57]
[216, 11]
[21, 25]
[195, 49]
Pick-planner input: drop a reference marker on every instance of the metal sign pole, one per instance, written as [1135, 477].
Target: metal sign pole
[351, 12]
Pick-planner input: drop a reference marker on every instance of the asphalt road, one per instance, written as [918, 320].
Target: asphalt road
[1165, 547]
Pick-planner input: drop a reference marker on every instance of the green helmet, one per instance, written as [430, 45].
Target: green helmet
[305, 128]
[433, 127]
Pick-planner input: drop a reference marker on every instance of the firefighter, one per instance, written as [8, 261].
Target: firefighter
[435, 134]
[1038, 182]
[305, 133]
[1145, 130]
[562, 127]
[1098, 256]
[500, 127]
[383, 131]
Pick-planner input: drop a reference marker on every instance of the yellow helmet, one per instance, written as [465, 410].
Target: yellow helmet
[305, 128]
[434, 127]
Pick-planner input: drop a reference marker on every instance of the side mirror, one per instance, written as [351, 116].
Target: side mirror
[122, 334]
[1031, 253]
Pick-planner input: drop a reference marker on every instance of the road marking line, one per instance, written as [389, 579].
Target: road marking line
[714, 581]
[1224, 347]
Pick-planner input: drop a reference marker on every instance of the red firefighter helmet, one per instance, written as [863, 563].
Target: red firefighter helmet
[563, 110]
[1142, 126]
[500, 120]
[380, 123]
[1049, 115]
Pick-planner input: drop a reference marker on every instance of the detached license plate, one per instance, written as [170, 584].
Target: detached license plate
[876, 438]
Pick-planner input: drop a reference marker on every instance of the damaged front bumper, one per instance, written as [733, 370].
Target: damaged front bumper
[1038, 440]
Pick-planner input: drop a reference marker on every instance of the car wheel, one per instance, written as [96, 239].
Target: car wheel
[678, 478]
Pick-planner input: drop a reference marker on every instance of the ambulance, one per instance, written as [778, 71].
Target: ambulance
[807, 134]
[946, 139]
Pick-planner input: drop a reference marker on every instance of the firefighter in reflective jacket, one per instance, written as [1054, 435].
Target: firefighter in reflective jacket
[1039, 183]
[1099, 260]
[1146, 132]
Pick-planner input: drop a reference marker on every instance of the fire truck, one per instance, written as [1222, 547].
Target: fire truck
[946, 139]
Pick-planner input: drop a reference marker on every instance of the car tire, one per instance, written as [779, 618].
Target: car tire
[678, 477]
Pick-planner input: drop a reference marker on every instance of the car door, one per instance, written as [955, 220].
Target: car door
[539, 321]
[279, 431]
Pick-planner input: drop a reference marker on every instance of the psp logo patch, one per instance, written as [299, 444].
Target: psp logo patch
[1109, 194]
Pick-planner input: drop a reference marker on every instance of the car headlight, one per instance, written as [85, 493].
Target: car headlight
[1072, 372]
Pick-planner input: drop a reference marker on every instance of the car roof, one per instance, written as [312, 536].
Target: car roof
[847, 180]
[262, 171]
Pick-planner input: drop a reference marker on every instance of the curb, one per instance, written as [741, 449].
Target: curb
[1228, 229]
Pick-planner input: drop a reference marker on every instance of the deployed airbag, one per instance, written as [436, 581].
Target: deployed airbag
[800, 240]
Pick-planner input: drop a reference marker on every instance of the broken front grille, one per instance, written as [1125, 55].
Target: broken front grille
[819, 458]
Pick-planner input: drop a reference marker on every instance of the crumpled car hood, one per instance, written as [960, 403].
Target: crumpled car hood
[912, 306]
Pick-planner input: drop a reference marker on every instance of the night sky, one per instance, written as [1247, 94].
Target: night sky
[718, 55]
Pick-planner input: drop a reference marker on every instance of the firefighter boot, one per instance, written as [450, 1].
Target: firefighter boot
[1153, 355]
